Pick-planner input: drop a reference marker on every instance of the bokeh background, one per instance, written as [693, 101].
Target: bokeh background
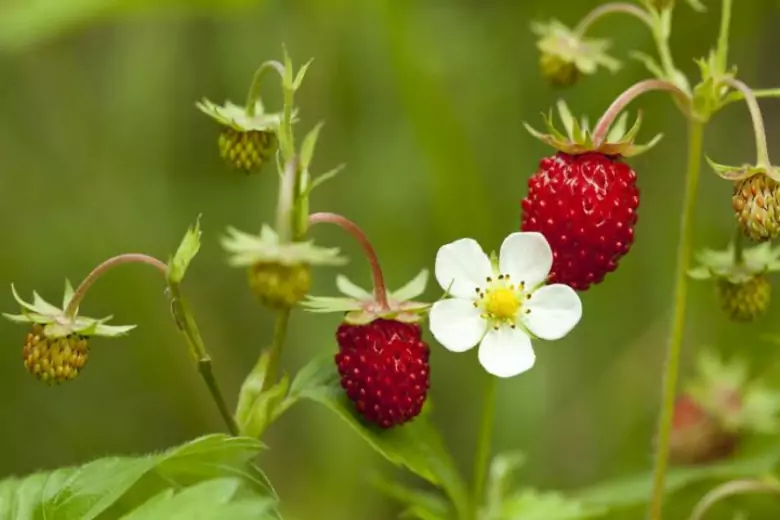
[102, 152]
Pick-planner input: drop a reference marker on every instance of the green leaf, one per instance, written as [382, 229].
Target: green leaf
[635, 490]
[423, 505]
[309, 144]
[188, 248]
[416, 445]
[113, 486]
[531, 504]
[256, 408]
[301, 73]
[216, 499]
[323, 177]
[502, 470]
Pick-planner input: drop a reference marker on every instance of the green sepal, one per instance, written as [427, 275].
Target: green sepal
[738, 173]
[188, 248]
[56, 324]
[578, 138]
[235, 116]
[721, 265]
[246, 250]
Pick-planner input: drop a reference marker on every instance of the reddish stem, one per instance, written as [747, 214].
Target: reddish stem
[380, 291]
[97, 272]
[617, 106]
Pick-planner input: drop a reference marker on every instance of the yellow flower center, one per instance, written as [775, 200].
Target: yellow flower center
[502, 303]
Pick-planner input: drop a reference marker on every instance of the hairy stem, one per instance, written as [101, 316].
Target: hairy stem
[762, 151]
[189, 328]
[722, 52]
[612, 8]
[671, 369]
[380, 290]
[97, 272]
[280, 334]
[482, 459]
[735, 487]
[602, 127]
[254, 89]
[286, 200]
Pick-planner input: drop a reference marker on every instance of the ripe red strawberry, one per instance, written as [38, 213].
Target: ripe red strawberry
[586, 206]
[384, 369]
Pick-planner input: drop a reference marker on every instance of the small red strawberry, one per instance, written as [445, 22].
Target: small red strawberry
[384, 369]
[584, 200]
[718, 407]
[382, 359]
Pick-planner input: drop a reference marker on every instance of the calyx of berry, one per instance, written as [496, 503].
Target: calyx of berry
[721, 265]
[247, 250]
[237, 118]
[578, 137]
[362, 307]
[739, 402]
[586, 54]
[745, 171]
[57, 324]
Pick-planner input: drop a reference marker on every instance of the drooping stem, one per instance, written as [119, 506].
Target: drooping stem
[189, 328]
[254, 89]
[380, 290]
[611, 8]
[671, 368]
[286, 200]
[762, 151]
[735, 487]
[484, 441]
[722, 52]
[739, 245]
[602, 127]
[97, 272]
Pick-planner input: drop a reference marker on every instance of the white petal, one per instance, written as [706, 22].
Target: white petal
[506, 352]
[456, 324]
[464, 265]
[526, 257]
[555, 310]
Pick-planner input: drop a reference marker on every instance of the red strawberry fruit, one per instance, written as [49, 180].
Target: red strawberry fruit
[584, 200]
[384, 369]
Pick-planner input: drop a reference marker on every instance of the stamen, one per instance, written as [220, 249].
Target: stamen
[489, 279]
[501, 277]
[528, 311]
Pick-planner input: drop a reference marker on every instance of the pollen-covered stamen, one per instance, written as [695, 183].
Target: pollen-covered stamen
[501, 300]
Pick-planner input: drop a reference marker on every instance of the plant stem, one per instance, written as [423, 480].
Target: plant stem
[380, 290]
[602, 127]
[275, 354]
[97, 272]
[671, 369]
[254, 89]
[611, 8]
[722, 52]
[482, 459]
[735, 487]
[762, 151]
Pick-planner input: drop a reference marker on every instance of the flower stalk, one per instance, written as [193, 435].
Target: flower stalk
[254, 90]
[672, 363]
[762, 150]
[484, 441]
[612, 8]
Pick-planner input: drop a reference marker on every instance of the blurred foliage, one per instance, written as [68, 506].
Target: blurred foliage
[103, 152]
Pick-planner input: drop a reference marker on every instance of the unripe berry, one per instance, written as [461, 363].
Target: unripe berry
[280, 286]
[246, 151]
[756, 203]
[54, 360]
[747, 301]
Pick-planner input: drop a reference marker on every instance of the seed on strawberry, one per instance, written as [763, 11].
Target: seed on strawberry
[697, 435]
[745, 301]
[586, 206]
[756, 203]
[384, 369]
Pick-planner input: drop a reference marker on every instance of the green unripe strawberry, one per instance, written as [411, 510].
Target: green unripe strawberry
[745, 301]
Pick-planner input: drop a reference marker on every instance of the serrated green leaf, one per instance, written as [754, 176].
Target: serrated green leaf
[309, 145]
[256, 407]
[113, 486]
[531, 504]
[416, 445]
[211, 500]
[189, 247]
[635, 490]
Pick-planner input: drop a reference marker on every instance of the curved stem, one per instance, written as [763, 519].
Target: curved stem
[762, 151]
[97, 272]
[380, 290]
[482, 459]
[617, 106]
[611, 8]
[254, 89]
[671, 369]
[736, 487]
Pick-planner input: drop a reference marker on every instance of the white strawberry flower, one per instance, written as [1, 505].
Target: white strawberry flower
[501, 304]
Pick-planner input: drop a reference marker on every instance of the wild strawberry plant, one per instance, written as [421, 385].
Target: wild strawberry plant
[578, 222]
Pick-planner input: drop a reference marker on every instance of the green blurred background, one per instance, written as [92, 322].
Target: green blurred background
[103, 152]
